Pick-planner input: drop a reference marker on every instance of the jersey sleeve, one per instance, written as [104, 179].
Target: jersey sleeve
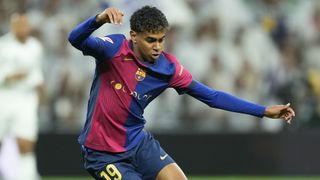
[100, 48]
[181, 78]
[222, 100]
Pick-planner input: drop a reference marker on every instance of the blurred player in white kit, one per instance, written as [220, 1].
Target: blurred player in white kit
[21, 81]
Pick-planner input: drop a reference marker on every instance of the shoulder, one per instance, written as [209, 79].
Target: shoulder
[171, 58]
[35, 43]
[181, 77]
[6, 38]
[113, 38]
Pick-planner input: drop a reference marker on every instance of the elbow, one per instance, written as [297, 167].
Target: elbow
[71, 38]
[212, 105]
[74, 40]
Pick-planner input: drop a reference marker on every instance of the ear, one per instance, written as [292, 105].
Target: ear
[133, 36]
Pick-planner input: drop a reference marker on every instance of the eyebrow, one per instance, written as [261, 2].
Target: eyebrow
[154, 39]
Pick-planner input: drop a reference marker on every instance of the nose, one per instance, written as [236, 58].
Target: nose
[156, 46]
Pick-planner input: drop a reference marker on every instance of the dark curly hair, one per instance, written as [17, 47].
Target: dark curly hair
[148, 19]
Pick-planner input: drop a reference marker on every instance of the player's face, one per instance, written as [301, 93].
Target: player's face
[148, 46]
[20, 27]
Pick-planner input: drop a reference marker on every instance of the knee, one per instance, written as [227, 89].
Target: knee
[25, 146]
[171, 172]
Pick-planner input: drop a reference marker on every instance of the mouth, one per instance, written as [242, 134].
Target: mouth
[155, 55]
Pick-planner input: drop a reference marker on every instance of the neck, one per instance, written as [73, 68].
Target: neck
[136, 52]
[21, 39]
[139, 56]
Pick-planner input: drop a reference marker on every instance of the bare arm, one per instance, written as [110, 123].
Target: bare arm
[17, 76]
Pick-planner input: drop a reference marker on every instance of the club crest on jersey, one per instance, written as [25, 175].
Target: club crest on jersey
[140, 74]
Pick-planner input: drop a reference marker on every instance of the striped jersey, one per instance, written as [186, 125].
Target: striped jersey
[123, 86]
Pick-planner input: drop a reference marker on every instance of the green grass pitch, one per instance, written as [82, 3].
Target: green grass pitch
[208, 178]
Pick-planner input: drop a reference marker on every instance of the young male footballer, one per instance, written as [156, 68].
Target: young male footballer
[129, 74]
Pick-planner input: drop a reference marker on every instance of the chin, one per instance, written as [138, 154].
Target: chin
[151, 59]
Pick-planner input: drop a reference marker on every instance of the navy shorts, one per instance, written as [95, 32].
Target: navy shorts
[142, 162]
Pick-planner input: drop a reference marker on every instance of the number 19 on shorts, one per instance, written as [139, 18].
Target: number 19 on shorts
[111, 172]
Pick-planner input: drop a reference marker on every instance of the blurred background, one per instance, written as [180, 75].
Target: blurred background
[265, 51]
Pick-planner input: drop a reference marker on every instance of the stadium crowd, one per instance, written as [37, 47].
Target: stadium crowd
[266, 51]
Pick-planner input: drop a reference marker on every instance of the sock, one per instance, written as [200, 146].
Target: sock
[9, 159]
[28, 167]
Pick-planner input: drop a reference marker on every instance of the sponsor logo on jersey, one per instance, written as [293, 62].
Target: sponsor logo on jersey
[107, 39]
[120, 87]
[140, 74]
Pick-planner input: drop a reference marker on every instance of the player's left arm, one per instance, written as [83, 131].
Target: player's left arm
[100, 48]
[225, 101]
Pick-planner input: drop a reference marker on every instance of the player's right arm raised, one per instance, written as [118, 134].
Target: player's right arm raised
[81, 38]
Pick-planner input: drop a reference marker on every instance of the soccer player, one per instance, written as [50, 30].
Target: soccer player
[129, 75]
[21, 79]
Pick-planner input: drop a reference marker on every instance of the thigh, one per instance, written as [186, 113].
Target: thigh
[151, 158]
[25, 122]
[6, 117]
[109, 166]
[118, 171]
[4, 124]
[171, 172]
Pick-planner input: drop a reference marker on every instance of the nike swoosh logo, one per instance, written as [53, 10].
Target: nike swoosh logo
[163, 157]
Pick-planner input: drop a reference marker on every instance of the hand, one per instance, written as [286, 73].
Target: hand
[284, 112]
[15, 77]
[110, 15]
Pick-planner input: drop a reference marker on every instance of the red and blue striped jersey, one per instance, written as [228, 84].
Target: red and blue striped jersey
[123, 86]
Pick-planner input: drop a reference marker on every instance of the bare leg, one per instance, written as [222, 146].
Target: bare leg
[25, 146]
[171, 172]
[27, 159]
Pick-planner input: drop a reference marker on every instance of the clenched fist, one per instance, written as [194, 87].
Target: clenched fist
[110, 15]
